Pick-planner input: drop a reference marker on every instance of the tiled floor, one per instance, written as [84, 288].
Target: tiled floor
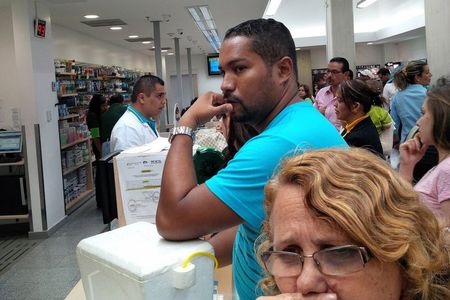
[50, 270]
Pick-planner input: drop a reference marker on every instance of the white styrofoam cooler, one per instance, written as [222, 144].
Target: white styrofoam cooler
[135, 262]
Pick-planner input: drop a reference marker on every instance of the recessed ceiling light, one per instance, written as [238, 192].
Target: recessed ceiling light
[115, 28]
[91, 16]
[133, 36]
[170, 53]
[370, 43]
[146, 42]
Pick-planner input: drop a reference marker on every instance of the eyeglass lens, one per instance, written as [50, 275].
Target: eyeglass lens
[333, 261]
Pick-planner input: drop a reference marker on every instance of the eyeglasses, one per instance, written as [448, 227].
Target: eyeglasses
[340, 260]
[334, 72]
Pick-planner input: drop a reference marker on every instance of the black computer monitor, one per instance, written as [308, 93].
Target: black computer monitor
[105, 187]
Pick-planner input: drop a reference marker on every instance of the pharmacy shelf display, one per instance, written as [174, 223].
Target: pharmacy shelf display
[76, 83]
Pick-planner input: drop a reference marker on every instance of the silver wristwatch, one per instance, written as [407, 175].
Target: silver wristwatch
[181, 130]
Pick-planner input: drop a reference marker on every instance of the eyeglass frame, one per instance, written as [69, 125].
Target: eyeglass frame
[364, 254]
[334, 72]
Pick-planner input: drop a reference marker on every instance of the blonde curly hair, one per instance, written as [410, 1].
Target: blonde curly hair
[376, 208]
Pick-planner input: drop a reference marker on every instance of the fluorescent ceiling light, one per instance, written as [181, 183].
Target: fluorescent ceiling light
[163, 50]
[146, 42]
[194, 14]
[272, 7]
[115, 28]
[370, 43]
[205, 12]
[91, 16]
[133, 36]
[205, 23]
[170, 53]
[365, 3]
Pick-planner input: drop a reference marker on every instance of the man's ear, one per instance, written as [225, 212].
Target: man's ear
[347, 75]
[285, 68]
[141, 98]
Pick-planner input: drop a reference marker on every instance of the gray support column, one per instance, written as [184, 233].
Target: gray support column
[189, 61]
[437, 26]
[340, 30]
[158, 62]
[179, 78]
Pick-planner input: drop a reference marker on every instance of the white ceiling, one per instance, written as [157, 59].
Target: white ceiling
[384, 21]
[226, 13]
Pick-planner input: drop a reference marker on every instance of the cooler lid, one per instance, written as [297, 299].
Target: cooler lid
[139, 251]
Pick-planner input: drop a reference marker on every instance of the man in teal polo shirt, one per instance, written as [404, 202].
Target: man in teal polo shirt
[137, 125]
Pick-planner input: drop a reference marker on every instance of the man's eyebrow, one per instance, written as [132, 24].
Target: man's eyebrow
[234, 61]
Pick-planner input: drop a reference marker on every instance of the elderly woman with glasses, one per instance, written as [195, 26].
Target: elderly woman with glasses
[341, 224]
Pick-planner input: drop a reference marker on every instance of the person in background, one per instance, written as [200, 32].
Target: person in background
[389, 89]
[137, 126]
[384, 75]
[406, 109]
[320, 81]
[236, 134]
[365, 75]
[109, 119]
[259, 67]
[353, 102]
[341, 224]
[338, 71]
[305, 93]
[379, 116]
[434, 129]
[97, 106]
[186, 108]
[407, 103]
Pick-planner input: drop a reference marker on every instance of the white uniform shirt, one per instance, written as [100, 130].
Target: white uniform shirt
[130, 131]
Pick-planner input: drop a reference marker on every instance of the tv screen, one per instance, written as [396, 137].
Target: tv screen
[213, 65]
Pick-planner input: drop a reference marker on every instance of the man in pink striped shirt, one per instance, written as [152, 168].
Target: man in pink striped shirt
[338, 71]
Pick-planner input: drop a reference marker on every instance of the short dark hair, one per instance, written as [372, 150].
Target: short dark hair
[117, 98]
[438, 103]
[343, 61]
[357, 91]
[270, 39]
[145, 84]
[383, 71]
[96, 103]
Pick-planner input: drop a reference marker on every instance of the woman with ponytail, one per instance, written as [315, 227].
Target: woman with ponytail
[407, 103]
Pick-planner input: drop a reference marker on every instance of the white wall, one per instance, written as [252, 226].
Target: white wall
[206, 83]
[369, 54]
[70, 44]
[319, 57]
[8, 96]
[376, 54]
[405, 51]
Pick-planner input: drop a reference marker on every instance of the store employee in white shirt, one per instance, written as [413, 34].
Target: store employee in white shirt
[137, 126]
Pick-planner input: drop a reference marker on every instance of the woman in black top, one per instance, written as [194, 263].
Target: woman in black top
[97, 106]
[353, 101]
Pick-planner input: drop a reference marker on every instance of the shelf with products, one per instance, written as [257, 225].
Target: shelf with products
[76, 159]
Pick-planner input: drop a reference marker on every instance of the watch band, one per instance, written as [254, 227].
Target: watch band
[181, 130]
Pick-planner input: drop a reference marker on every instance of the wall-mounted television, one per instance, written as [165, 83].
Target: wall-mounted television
[213, 64]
